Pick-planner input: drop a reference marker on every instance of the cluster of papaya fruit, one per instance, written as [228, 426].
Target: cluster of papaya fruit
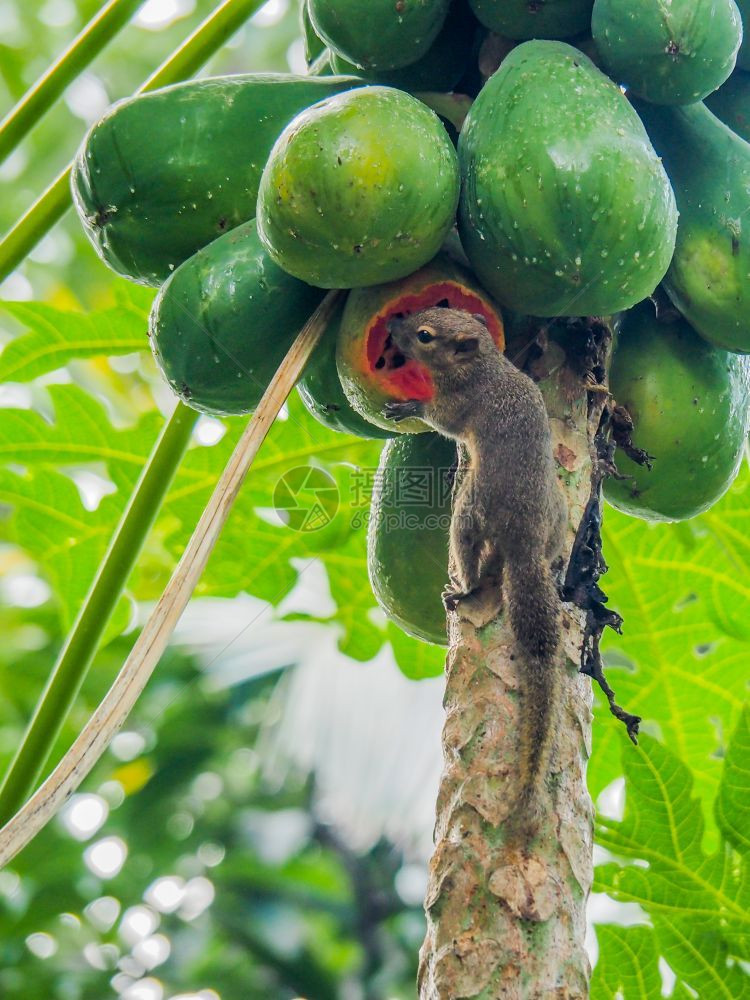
[605, 153]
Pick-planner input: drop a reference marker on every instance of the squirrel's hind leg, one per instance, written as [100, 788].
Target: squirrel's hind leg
[465, 550]
[483, 586]
[491, 576]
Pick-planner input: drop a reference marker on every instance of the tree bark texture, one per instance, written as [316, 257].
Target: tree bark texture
[508, 921]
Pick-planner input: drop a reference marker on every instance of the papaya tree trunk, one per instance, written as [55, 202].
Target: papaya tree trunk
[508, 921]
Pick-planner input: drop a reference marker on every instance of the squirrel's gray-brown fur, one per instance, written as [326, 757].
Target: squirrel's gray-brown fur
[509, 514]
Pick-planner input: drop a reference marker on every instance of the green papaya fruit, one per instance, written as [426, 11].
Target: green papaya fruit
[709, 167]
[222, 323]
[689, 404]
[440, 68]
[731, 103]
[371, 369]
[523, 19]
[379, 34]
[321, 392]
[359, 189]
[407, 538]
[673, 53]
[314, 44]
[565, 208]
[164, 173]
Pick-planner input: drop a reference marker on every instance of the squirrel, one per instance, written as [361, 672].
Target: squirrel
[509, 513]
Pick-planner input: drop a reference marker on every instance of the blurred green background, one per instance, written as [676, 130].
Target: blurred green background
[201, 861]
[260, 830]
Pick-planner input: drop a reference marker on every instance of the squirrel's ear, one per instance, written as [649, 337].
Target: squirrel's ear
[394, 323]
[480, 319]
[466, 343]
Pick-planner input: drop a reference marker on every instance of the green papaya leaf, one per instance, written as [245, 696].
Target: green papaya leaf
[733, 801]
[50, 521]
[679, 663]
[265, 531]
[415, 659]
[357, 613]
[57, 336]
[701, 961]
[627, 967]
[65, 540]
[81, 433]
[256, 548]
[698, 903]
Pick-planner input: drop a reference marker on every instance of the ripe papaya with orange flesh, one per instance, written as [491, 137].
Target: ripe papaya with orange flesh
[372, 370]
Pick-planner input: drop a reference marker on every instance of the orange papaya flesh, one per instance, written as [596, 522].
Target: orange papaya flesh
[412, 380]
[372, 369]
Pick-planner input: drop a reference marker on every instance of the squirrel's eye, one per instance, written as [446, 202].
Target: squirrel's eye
[424, 336]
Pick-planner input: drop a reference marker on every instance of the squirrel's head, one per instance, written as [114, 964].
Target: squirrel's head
[442, 339]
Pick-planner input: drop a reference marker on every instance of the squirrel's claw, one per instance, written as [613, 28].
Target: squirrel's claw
[451, 596]
[399, 411]
[391, 412]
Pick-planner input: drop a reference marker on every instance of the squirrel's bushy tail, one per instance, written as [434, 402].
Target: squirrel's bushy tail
[533, 607]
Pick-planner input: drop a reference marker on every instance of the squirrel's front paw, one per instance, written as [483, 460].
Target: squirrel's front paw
[402, 410]
[451, 596]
